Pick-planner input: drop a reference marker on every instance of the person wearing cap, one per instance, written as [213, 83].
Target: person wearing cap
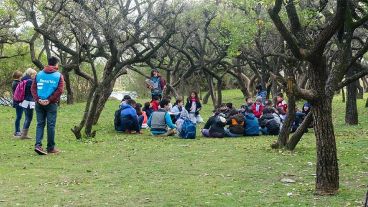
[156, 83]
[216, 129]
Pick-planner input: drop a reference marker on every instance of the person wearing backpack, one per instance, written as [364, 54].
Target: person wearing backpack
[17, 75]
[160, 120]
[269, 124]
[28, 104]
[185, 127]
[236, 124]
[46, 90]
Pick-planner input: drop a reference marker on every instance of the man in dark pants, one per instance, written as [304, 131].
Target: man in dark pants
[46, 90]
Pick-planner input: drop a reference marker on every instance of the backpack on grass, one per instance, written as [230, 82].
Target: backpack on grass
[20, 91]
[188, 130]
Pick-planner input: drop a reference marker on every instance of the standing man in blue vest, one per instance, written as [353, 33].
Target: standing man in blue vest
[46, 90]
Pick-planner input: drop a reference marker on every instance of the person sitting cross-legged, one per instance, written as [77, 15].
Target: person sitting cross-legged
[160, 120]
[236, 124]
[270, 125]
[129, 118]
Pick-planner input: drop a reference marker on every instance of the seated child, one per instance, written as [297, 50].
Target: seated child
[251, 123]
[236, 124]
[177, 109]
[280, 102]
[269, 124]
[155, 102]
[160, 120]
[148, 109]
[216, 129]
[141, 117]
[129, 117]
[258, 107]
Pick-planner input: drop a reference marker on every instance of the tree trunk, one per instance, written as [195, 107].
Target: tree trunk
[211, 90]
[69, 89]
[327, 181]
[108, 86]
[360, 93]
[219, 93]
[365, 84]
[298, 134]
[366, 200]
[77, 129]
[206, 97]
[343, 95]
[286, 128]
[366, 103]
[351, 110]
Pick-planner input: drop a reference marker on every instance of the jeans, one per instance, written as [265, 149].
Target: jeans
[129, 124]
[28, 118]
[18, 117]
[46, 115]
[264, 131]
[229, 134]
[140, 121]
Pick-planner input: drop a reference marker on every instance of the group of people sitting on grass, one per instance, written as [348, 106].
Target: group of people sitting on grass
[160, 116]
[252, 119]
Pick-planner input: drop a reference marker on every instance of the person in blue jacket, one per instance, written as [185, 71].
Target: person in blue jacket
[160, 120]
[251, 123]
[129, 118]
[261, 93]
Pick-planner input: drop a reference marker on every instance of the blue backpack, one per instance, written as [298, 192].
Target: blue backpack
[188, 130]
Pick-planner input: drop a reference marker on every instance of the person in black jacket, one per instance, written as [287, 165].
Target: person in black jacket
[236, 124]
[193, 106]
[216, 129]
[269, 124]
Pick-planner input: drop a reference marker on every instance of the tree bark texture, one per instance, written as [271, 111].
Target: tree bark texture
[327, 181]
[351, 110]
[298, 134]
[69, 89]
[286, 128]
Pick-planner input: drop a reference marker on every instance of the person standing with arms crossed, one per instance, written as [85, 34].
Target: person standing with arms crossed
[46, 90]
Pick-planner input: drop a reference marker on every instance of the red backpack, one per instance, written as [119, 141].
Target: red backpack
[20, 91]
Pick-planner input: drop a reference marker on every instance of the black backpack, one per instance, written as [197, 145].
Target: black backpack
[117, 122]
[273, 127]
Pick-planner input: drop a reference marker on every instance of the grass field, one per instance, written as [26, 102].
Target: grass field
[140, 170]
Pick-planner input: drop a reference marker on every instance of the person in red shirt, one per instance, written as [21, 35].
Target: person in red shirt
[281, 103]
[155, 103]
[258, 107]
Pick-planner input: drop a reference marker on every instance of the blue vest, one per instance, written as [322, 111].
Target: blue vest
[47, 83]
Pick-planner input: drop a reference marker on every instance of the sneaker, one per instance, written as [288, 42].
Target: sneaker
[53, 151]
[40, 151]
[17, 134]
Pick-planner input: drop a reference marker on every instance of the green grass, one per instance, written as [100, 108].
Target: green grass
[120, 170]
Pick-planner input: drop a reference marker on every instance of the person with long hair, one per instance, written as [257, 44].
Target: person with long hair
[193, 106]
[17, 75]
[28, 103]
[156, 83]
